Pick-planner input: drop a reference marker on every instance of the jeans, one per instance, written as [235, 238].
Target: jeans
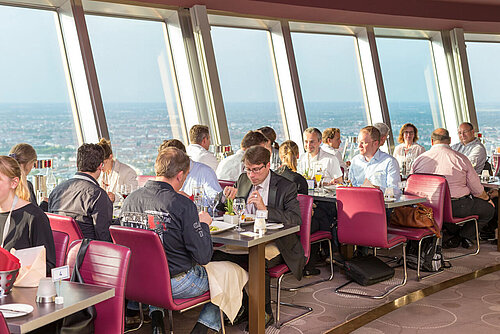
[192, 284]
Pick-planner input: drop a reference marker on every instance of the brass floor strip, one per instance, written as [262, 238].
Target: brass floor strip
[412, 297]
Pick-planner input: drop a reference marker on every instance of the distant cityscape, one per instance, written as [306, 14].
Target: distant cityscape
[137, 129]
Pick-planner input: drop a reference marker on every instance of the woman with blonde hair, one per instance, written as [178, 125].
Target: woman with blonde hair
[22, 224]
[289, 153]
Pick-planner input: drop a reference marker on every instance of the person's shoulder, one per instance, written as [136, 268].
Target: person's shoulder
[456, 146]
[34, 210]
[125, 167]
[281, 181]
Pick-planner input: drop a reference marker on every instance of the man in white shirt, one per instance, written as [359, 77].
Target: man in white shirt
[314, 156]
[331, 144]
[200, 142]
[470, 146]
[231, 167]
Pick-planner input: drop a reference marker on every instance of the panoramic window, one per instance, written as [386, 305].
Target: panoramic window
[137, 87]
[484, 65]
[410, 86]
[330, 82]
[245, 66]
[34, 102]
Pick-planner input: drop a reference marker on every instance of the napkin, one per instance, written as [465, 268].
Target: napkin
[32, 266]
[8, 261]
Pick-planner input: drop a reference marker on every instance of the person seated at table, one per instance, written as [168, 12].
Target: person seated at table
[314, 157]
[271, 135]
[384, 132]
[331, 144]
[200, 143]
[200, 175]
[115, 173]
[231, 167]
[265, 190]
[27, 225]
[289, 153]
[186, 237]
[372, 167]
[471, 146]
[467, 194]
[408, 149]
[26, 156]
[82, 198]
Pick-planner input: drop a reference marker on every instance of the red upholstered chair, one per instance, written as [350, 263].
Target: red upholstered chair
[361, 220]
[226, 183]
[67, 225]
[105, 264]
[142, 179]
[432, 187]
[279, 271]
[4, 329]
[149, 277]
[61, 242]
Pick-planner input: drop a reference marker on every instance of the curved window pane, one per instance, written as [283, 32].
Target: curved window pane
[330, 82]
[410, 86]
[137, 87]
[484, 65]
[34, 102]
[246, 74]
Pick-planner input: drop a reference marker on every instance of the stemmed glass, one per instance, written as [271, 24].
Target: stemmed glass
[239, 208]
[213, 202]
[318, 175]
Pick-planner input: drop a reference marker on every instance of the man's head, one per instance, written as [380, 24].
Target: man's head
[268, 132]
[172, 164]
[89, 158]
[172, 143]
[466, 132]
[368, 141]
[384, 132]
[331, 137]
[312, 140]
[199, 135]
[253, 138]
[257, 163]
[440, 136]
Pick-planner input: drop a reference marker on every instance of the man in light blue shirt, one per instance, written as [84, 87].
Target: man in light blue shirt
[373, 165]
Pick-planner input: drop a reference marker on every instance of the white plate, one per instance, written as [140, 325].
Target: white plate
[331, 187]
[274, 226]
[15, 310]
[221, 226]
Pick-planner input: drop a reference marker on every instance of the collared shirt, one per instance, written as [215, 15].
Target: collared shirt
[382, 171]
[336, 152]
[461, 176]
[199, 154]
[401, 154]
[231, 167]
[82, 198]
[263, 189]
[201, 175]
[475, 151]
[330, 165]
[120, 174]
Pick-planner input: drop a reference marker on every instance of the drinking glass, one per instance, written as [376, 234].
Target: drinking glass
[318, 175]
[239, 208]
[124, 190]
[213, 202]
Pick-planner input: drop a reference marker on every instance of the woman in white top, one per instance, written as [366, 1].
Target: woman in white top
[406, 152]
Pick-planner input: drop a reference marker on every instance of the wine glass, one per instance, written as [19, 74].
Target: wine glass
[239, 208]
[318, 175]
[213, 202]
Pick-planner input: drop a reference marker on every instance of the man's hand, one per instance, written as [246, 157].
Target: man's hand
[484, 196]
[255, 199]
[493, 193]
[111, 196]
[230, 192]
[205, 218]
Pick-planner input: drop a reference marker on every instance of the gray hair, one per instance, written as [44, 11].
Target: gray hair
[383, 128]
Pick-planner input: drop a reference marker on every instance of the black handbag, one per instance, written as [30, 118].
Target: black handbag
[368, 270]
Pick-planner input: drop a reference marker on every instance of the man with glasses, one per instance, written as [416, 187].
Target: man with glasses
[471, 146]
[372, 167]
[265, 190]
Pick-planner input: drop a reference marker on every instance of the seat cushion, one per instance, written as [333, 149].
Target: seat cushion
[457, 220]
[188, 302]
[409, 232]
[320, 235]
[278, 270]
[393, 240]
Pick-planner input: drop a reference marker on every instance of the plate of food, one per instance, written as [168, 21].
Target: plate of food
[218, 226]
[247, 219]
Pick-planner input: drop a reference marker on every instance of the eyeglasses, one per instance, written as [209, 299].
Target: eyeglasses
[409, 132]
[463, 132]
[365, 143]
[254, 170]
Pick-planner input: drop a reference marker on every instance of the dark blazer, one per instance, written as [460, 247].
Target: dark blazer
[282, 206]
[295, 177]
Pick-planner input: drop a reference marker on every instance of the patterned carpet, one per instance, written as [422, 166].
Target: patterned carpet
[474, 304]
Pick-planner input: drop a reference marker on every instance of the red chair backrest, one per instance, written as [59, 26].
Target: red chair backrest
[4, 329]
[142, 179]
[447, 211]
[61, 242]
[306, 205]
[67, 225]
[226, 183]
[433, 187]
[105, 264]
[361, 218]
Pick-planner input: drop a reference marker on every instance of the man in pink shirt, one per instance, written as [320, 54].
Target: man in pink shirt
[467, 193]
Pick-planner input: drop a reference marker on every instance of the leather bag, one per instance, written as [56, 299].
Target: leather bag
[368, 270]
[416, 216]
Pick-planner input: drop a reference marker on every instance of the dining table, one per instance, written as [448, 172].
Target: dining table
[495, 184]
[77, 296]
[256, 265]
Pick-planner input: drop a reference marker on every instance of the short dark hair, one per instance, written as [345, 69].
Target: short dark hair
[315, 131]
[172, 143]
[198, 133]
[471, 127]
[170, 161]
[253, 138]
[257, 155]
[372, 131]
[106, 146]
[89, 157]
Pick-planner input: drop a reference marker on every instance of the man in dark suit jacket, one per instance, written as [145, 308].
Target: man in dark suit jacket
[265, 190]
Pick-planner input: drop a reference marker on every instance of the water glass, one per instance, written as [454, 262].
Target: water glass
[239, 208]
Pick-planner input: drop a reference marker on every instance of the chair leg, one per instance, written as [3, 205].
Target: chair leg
[306, 309]
[141, 317]
[171, 321]
[419, 277]
[477, 245]
[222, 328]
